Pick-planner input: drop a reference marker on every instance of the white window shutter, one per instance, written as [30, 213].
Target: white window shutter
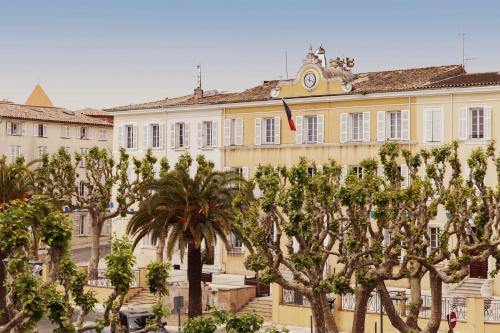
[23, 129]
[238, 137]
[78, 133]
[244, 172]
[76, 221]
[44, 131]
[366, 126]
[381, 126]
[63, 131]
[145, 137]
[462, 123]
[258, 131]
[134, 134]
[90, 133]
[380, 170]
[172, 136]
[200, 134]
[404, 175]
[438, 126]
[427, 122]
[487, 122]
[277, 130]
[227, 132]
[35, 129]
[186, 135]
[9, 128]
[299, 135]
[405, 125]
[215, 133]
[343, 127]
[161, 133]
[120, 136]
[321, 128]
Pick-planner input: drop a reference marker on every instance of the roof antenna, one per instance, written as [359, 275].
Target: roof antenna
[286, 64]
[198, 76]
[464, 59]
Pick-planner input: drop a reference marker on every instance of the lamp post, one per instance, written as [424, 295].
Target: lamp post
[392, 298]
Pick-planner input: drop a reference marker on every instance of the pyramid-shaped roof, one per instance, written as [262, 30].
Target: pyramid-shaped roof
[38, 97]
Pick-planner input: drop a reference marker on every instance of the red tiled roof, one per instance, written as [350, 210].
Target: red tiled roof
[52, 114]
[364, 83]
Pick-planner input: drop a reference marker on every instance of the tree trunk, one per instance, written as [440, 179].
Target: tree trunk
[360, 308]
[160, 249]
[4, 317]
[323, 320]
[95, 249]
[194, 279]
[436, 302]
[415, 302]
[394, 316]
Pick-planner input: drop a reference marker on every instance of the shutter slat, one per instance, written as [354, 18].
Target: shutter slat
[277, 130]
[381, 126]
[238, 140]
[321, 128]
[487, 122]
[200, 134]
[343, 127]
[298, 132]
[405, 125]
[462, 123]
[215, 134]
[186, 136]
[227, 132]
[258, 131]
[366, 126]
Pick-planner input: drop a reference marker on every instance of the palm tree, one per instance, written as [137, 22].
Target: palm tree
[187, 211]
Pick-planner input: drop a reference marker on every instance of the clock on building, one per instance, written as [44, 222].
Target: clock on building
[309, 80]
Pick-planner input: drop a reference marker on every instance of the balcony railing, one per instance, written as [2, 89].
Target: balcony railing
[491, 311]
[292, 297]
[100, 279]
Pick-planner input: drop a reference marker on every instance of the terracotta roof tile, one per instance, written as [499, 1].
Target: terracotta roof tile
[94, 112]
[468, 80]
[364, 83]
[52, 114]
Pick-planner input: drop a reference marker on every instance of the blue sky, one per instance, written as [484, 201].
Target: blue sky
[108, 53]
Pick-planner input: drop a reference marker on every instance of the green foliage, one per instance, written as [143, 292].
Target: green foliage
[200, 325]
[158, 278]
[273, 329]
[243, 323]
[119, 264]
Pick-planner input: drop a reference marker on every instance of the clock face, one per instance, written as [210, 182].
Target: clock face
[309, 80]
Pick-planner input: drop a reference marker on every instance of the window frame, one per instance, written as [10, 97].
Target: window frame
[311, 137]
[437, 234]
[180, 132]
[269, 132]
[129, 136]
[83, 152]
[358, 116]
[103, 134]
[207, 134]
[397, 126]
[155, 136]
[235, 240]
[480, 123]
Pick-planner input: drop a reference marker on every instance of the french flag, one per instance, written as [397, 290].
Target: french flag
[289, 116]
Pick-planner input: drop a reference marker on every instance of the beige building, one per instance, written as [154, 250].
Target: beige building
[37, 127]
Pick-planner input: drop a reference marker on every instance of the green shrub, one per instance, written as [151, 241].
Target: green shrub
[200, 325]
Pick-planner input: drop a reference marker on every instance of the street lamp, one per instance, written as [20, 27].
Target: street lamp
[392, 298]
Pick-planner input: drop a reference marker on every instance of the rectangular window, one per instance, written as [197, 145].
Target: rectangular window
[155, 135]
[83, 152]
[84, 133]
[357, 170]
[103, 134]
[311, 126]
[82, 189]
[148, 242]
[65, 131]
[235, 243]
[477, 123]
[434, 238]
[15, 128]
[80, 228]
[207, 128]
[269, 130]
[15, 152]
[180, 135]
[394, 125]
[42, 150]
[41, 130]
[233, 133]
[433, 125]
[356, 126]
[129, 136]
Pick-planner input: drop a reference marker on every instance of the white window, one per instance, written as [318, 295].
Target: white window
[103, 134]
[148, 242]
[15, 152]
[354, 127]
[16, 129]
[475, 123]
[311, 125]
[130, 138]
[309, 129]
[42, 150]
[207, 134]
[267, 130]
[83, 152]
[65, 131]
[81, 225]
[84, 133]
[155, 135]
[235, 243]
[433, 125]
[434, 238]
[179, 135]
[233, 132]
[393, 125]
[40, 130]
[82, 189]
[357, 170]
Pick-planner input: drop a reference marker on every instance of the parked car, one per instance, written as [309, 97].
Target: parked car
[133, 321]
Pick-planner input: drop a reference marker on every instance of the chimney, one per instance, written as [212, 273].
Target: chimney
[198, 93]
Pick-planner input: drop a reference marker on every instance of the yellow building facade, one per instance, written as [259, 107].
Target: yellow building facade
[347, 117]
